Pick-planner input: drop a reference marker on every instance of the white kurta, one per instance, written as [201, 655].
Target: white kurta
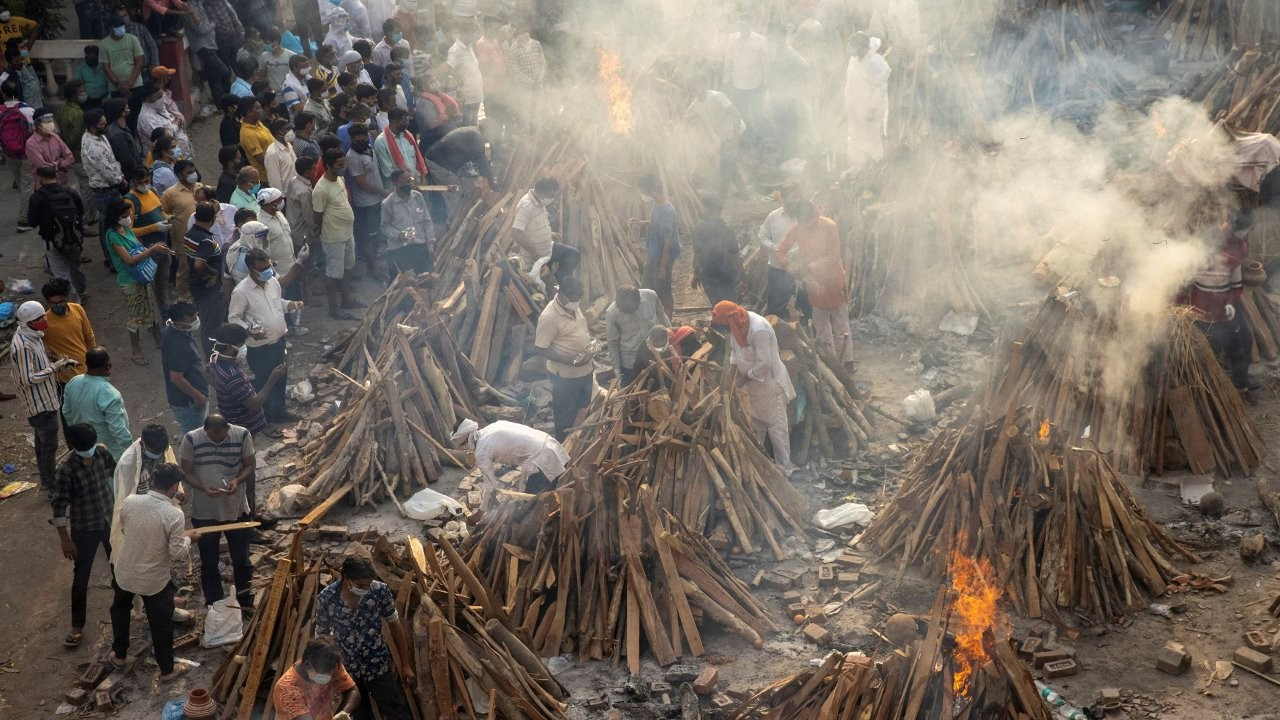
[508, 443]
[768, 386]
[866, 100]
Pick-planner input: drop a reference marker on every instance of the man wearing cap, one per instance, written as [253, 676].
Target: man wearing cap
[36, 378]
[279, 245]
[562, 338]
[122, 57]
[539, 457]
[45, 147]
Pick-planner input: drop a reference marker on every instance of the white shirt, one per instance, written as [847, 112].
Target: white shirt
[153, 539]
[773, 231]
[759, 360]
[531, 218]
[265, 303]
[746, 61]
[717, 111]
[280, 160]
[224, 227]
[508, 443]
[127, 475]
[279, 243]
[866, 83]
[466, 68]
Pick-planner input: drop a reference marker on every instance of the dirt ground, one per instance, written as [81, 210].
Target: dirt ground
[35, 670]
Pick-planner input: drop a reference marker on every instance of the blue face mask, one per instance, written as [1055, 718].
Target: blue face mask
[267, 274]
[87, 453]
[254, 190]
[394, 39]
[24, 53]
[118, 31]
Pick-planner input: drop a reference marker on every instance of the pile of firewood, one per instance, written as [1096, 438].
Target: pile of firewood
[1206, 29]
[467, 660]
[392, 431]
[914, 683]
[832, 424]
[596, 568]
[1262, 312]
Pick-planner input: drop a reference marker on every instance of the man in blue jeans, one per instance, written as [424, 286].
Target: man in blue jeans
[185, 386]
[218, 462]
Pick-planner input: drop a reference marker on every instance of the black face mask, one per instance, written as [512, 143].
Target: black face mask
[360, 145]
[405, 189]
[91, 62]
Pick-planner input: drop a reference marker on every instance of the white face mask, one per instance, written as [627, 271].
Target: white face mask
[289, 136]
[571, 306]
[193, 178]
[4, 16]
[127, 221]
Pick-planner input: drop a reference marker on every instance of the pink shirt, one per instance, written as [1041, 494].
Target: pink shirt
[49, 151]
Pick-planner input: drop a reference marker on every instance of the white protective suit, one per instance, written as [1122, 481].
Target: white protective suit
[128, 472]
[866, 101]
[508, 443]
[768, 386]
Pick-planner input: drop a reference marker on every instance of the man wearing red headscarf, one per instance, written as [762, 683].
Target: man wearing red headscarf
[753, 351]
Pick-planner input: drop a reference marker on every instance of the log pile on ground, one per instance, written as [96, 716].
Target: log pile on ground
[597, 569]
[1241, 90]
[833, 424]
[466, 660]
[1206, 29]
[1055, 521]
[914, 683]
[392, 431]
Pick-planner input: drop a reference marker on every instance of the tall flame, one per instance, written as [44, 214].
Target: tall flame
[615, 90]
[974, 611]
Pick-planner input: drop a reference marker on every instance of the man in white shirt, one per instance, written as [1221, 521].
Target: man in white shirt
[562, 338]
[294, 93]
[628, 320]
[746, 69]
[780, 285]
[866, 98]
[466, 68]
[717, 113]
[533, 235]
[280, 157]
[540, 458]
[151, 528]
[258, 303]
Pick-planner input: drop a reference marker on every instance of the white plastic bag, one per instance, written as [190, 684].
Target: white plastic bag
[284, 502]
[918, 406]
[301, 392]
[427, 504]
[222, 625]
[846, 514]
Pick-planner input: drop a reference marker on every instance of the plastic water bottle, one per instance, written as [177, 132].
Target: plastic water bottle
[1059, 705]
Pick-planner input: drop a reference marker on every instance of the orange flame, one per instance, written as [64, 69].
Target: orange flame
[1044, 429]
[615, 90]
[974, 611]
[1158, 125]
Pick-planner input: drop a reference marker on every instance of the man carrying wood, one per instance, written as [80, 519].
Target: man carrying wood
[563, 339]
[1216, 293]
[540, 457]
[627, 323]
[311, 687]
[352, 610]
[753, 352]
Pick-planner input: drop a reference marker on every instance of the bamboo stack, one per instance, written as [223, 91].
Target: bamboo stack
[392, 433]
[463, 653]
[1054, 520]
[1262, 313]
[1206, 29]
[597, 569]
[1054, 58]
[833, 421]
[915, 683]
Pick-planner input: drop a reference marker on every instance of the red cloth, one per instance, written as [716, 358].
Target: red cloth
[398, 157]
[1219, 283]
[735, 316]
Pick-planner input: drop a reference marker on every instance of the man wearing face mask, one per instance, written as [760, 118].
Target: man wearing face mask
[133, 474]
[258, 303]
[406, 227]
[24, 30]
[279, 245]
[539, 457]
[122, 57]
[57, 212]
[562, 338]
[152, 226]
[532, 231]
[45, 147]
[103, 176]
[158, 111]
[37, 381]
[392, 36]
[92, 399]
[184, 384]
[397, 149]
[367, 194]
[82, 503]
[217, 459]
[204, 266]
[91, 73]
[248, 183]
[466, 67]
[352, 610]
[280, 157]
[179, 202]
[310, 688]
[237, 400]
[69, 333]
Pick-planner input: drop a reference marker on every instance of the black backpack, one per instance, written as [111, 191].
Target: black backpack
[65, 230]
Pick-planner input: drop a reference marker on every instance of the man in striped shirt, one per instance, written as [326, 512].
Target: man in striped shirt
[218, 462]
[37, 381]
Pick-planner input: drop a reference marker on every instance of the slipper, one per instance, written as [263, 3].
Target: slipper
[140, 361]
[116, 662]
[73, 639]
[179, 669]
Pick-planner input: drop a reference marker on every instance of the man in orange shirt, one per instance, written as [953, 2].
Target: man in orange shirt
[312, 686]
[820, 266]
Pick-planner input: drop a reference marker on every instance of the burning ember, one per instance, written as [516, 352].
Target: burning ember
[615, 90]
[1157, 124]
[973, 612]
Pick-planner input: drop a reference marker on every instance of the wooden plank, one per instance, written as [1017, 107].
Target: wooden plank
[672, 574]
[1191, 432]
[263, 639]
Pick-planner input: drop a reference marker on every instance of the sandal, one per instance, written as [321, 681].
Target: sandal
[116, 662]
[73, 639]
[179, 669]
[140, 361]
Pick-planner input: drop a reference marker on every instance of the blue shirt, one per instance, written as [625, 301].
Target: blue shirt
[241, 88]
[358, 632]
[662, 230]
[92, 399]
[344, 134]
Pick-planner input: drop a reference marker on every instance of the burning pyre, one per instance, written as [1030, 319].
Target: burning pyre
[974, 611]
[615, 90]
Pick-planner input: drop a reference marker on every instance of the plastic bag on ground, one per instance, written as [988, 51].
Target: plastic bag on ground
[846, 514]
[918, 406]
[222, 625]
[284, 502]
[427, 504]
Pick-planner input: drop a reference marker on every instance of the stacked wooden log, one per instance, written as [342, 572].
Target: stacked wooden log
[596, 568]
[1241, 90]
[1054, 520]
[832, 422]
[1262, 312]
[915, 683]
[463, 655]
[1206, 29]
[392, 432]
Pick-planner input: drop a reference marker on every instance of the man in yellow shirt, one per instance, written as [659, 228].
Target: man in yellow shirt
[69, 335]
[17, 27]
[255, 137]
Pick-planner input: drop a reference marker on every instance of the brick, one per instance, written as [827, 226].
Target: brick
[1060, 668]
[1173, 659]
[846, 579]
[76, 696]
[93, 674]
[722, 701]
[791, 596]
[1252, 659]
[1107, 696]
[658, 687]
[1256, 641]
[1029, 647]
[775, 580]
[795, 609]
[815, 614]
[1041, 657]
[680, 673]
[826, 575]
[102, 700]
[851, 559]
[759, 578]
[186, 640]
[817, 634]
[706, 681]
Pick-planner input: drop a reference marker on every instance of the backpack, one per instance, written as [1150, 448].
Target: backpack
[66, 233]
[15, 128]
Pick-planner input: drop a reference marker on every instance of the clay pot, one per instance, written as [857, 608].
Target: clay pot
[1254, 274]
[200, 706]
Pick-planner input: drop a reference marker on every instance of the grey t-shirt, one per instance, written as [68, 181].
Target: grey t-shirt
[361, 164]
[213, 463]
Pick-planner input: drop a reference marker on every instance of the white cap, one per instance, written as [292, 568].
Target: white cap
[268, 195]
[465, 430]
[30, 310]
[349, 57]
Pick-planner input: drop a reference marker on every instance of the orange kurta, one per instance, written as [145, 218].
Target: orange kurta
[820, 265]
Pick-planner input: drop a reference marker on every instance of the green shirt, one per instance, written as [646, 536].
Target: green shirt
[92, 399]
[95, 80]
[70, 118]
[119, 55]
[128, 241]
